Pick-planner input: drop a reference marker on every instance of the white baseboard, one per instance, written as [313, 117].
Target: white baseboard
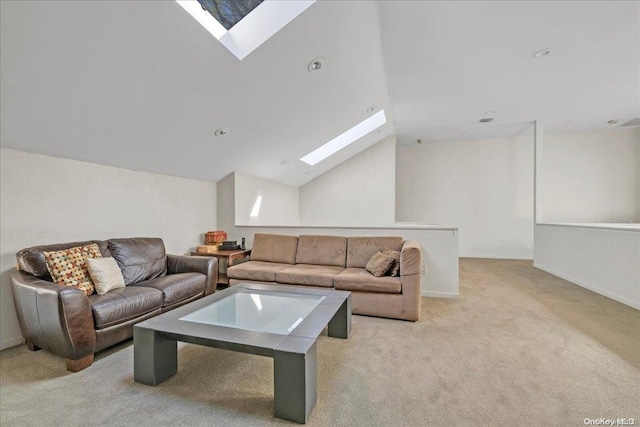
[439, 294]
[11, 342]
[608, 294]
[526, 258]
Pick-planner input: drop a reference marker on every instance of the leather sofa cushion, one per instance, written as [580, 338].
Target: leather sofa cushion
[322, 250]
[274, 248]
[176, 287]
[31, 260]
[309, 274]
[139, 258]
[259, 271]
[361, 249]
[359, 279]
[123, 304]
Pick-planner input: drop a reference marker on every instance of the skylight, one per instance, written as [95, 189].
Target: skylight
[343, 140]
[255, 212]
[266, 18]
[229, 12]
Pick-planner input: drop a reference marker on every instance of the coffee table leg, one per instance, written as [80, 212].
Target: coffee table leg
[155, 357]
[294, 384]
[340, 324]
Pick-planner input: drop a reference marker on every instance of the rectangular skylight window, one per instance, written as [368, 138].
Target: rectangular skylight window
[229, 12]
[256, 27]
[255, 212]
[348, 137]
[203, 17]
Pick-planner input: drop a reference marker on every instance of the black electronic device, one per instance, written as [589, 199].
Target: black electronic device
[229, 248]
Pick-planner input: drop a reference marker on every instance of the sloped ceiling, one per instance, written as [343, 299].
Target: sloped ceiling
[450, 62]
[140, 85]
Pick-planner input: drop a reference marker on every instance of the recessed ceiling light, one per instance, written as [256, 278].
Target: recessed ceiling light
[316, 64]
[613, 121]
[285, 162]
[489, 113]
[568, 126]
[222, 132]
[371, 109]
[541, 53]
[339, 142]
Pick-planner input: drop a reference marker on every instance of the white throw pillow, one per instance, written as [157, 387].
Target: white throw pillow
[105, 273]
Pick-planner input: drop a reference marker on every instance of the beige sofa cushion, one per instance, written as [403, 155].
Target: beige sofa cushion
[274, 248]
[380, 264]
[256, 270]
[361, 249]
[359, 279]
[308, 274]
[322, 250]
[395, 269]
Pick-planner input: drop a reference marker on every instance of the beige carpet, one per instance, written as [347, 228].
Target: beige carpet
[519, 347]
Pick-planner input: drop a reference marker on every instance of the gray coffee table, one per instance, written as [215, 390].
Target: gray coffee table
[282, 322]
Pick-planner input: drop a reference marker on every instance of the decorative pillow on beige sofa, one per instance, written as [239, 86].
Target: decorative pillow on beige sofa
[395, 269]
[379, 264]
[69, 267]
[105, 273]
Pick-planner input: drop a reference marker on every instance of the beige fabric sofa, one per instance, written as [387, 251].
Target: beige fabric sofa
[338, 262]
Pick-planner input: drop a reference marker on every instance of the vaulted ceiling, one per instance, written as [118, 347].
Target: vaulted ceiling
[141, 85]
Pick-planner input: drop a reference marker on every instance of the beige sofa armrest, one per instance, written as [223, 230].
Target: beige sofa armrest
[410, 275]
[410, 258]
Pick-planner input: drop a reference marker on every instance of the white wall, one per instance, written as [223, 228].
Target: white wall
[484, 187]
[226, 202]
[606, 261]
[280, 203]
[591, 176]
[358, 192]
[50, 200]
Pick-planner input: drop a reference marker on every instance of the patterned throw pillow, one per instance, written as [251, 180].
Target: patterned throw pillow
[105, 274]
[395, 269]
[379, 264]
[68, 267]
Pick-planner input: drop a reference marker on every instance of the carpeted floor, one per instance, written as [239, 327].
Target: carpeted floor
[519, 347]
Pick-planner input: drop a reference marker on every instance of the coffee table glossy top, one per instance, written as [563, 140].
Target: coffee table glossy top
[258, 310]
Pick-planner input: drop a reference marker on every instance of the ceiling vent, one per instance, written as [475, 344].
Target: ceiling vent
[632, 122]
[486, 120]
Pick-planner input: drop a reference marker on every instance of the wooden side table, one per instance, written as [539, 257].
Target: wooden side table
[228, 257]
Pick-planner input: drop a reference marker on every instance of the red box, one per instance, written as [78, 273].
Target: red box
[215, 237]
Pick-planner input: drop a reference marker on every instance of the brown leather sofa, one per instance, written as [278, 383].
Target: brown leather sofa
[338, 262]
[64, 321]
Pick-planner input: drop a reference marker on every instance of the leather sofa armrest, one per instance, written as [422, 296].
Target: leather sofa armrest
[194, 264]
[54, 317]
